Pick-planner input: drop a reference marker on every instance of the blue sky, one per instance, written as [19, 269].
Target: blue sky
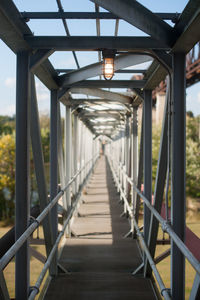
[65, 59]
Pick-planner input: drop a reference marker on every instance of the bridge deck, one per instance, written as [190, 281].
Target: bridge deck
[99, 258]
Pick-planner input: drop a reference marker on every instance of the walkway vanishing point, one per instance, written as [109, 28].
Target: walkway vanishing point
[100, 260]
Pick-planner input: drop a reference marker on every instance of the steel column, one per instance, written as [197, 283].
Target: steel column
[75, 151]
[178, 175]
[134, 154]
[140, 174]
[39, 164]
[61, 158]
[22, 178]
[127, 155]
[54, 171]
[147, 152]
[159, 186]
[68, 139]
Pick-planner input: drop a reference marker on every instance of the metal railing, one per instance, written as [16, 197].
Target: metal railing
[37, 221]
[166, 227]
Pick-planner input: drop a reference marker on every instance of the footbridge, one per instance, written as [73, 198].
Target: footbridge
[99, 215]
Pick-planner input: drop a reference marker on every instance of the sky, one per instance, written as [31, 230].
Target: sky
[65, 59]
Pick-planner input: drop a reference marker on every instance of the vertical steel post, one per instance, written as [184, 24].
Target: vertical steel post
[159, 185]
[147, 152]
[75, 151]
[22, 186]
[127, 154]
[140, 174]
[134, 154]
[61, 164]
[178, 175]
[68, 142]
[39, 165]
[54, 171]
[81, 151]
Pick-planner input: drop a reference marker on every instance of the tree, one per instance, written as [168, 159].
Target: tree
[192, 157]
[7, 175]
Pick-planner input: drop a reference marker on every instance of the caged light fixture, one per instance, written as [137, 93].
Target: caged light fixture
[108, 63]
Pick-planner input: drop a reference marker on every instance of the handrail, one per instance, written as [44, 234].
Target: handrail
[35, 289]
[36, 222]
[164, 290]
[166, 227]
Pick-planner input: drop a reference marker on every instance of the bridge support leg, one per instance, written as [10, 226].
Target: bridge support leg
[22, 173]
[147, 152]
[54, 172]
[178, 175]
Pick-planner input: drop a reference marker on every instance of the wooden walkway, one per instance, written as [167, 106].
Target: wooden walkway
[99, 259]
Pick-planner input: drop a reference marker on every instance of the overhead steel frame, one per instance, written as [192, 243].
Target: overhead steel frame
[179, 40]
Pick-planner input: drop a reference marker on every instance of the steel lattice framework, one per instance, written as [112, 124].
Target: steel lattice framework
[164, 47]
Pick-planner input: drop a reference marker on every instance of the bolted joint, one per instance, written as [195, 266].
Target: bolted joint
[165, 226]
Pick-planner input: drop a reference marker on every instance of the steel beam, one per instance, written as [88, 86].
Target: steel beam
[68, 154]
[61, 158]
[164, 57]
[85, 15]
[93, 101]
[22, 176]
[154, 75]
[39, 165]
[178, 175]
[102, 94]
[93, 43]
[54, 171]
[37, 58]
[134, 155]
[12, 32]
[75, 150]
[4, 295]
[137, 71]
[121, 61]
[140, 173]
[147, 158]
[109, 84]
[186, 27]
[141, 17]
[159, 187]
[195, 292]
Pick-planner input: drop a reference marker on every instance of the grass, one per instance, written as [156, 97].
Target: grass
[35, 265]
[163, 267]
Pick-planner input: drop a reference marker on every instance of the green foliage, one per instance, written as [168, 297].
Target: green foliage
[193, 157]
[156, 131]
[192, 154]
[7, 176]
[7, 124]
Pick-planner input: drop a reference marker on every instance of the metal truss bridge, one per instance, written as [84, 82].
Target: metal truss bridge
[92, 252]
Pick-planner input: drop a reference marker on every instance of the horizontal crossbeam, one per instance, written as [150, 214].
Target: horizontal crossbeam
[110, 84]
[131, 71]
[94, 43]
[121, 61]
[86, 15]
